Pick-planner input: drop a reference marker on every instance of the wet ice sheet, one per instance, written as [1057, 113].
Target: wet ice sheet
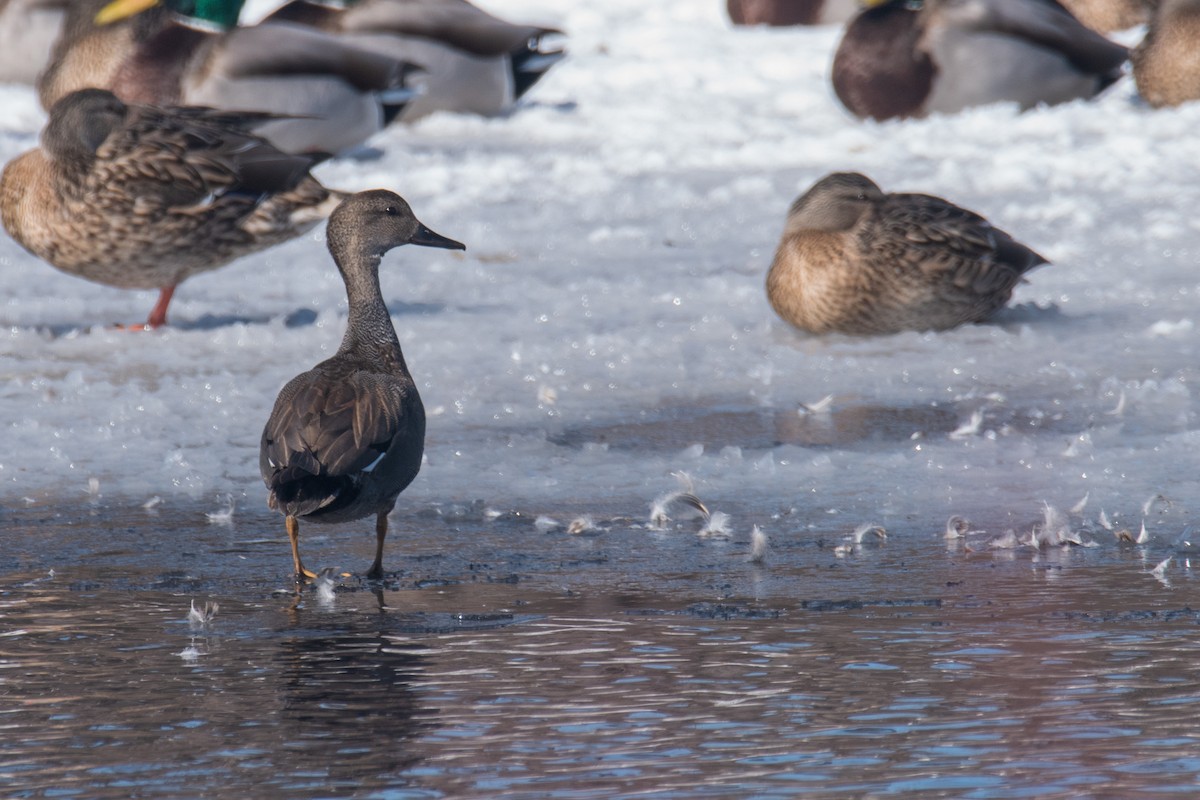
[502, 659]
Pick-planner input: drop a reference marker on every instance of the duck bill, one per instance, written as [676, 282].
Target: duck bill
[427, 238]
[118, 10]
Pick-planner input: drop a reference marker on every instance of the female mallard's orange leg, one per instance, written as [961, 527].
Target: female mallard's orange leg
[158, 314]
[293, 529]
[376, 570]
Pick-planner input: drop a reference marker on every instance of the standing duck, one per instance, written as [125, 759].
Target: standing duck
[346, 437]
[326, 94]
[1166, 65]
[909, 58]
[473, 62]
[143, 198]
[28, 31]
[855, 260]
[791, 12]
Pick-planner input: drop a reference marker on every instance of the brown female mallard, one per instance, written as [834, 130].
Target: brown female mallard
[856, 260]
[143, 198]
[346, 437]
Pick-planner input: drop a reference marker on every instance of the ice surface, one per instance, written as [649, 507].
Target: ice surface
[608, 325]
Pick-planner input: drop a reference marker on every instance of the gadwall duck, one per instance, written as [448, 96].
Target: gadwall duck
[908, 58]
[473, 61]
[791, 12]
[346, 437]
[1166, 65]
[1107, 16]
[28, 31]
[326, 94]
[856, 260]
[143, 198]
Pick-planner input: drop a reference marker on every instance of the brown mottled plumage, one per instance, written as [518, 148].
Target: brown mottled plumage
[1107, 16]
[346, 437]
[472, 61]
[143, 198]
[1166, 65]
[906, 58]
[790, 12]
[856, 260]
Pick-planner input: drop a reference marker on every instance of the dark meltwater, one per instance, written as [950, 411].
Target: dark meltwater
[501, 660]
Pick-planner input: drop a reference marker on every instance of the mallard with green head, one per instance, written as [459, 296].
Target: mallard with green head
[909, 58]
[473, 62]
[139, 197]
[328, 94]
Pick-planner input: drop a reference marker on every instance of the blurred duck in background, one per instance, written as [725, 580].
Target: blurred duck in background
[909, 58]
[1107, 16]
[28, 31]
[791, 12]
[473, 61]
[327, 95]
[1166, 65]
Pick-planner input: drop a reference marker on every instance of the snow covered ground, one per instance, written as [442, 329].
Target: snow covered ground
[608, 324]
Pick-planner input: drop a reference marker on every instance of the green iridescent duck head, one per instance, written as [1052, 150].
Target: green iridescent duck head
[217, 14]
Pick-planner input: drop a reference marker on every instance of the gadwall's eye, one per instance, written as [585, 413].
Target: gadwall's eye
[390, 211]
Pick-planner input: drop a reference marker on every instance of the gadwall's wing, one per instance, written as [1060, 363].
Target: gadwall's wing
[328, 429]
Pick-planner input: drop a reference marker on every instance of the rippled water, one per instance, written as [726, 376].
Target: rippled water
[503, 661]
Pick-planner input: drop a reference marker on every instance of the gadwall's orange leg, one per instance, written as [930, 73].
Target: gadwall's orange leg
[293, 529]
